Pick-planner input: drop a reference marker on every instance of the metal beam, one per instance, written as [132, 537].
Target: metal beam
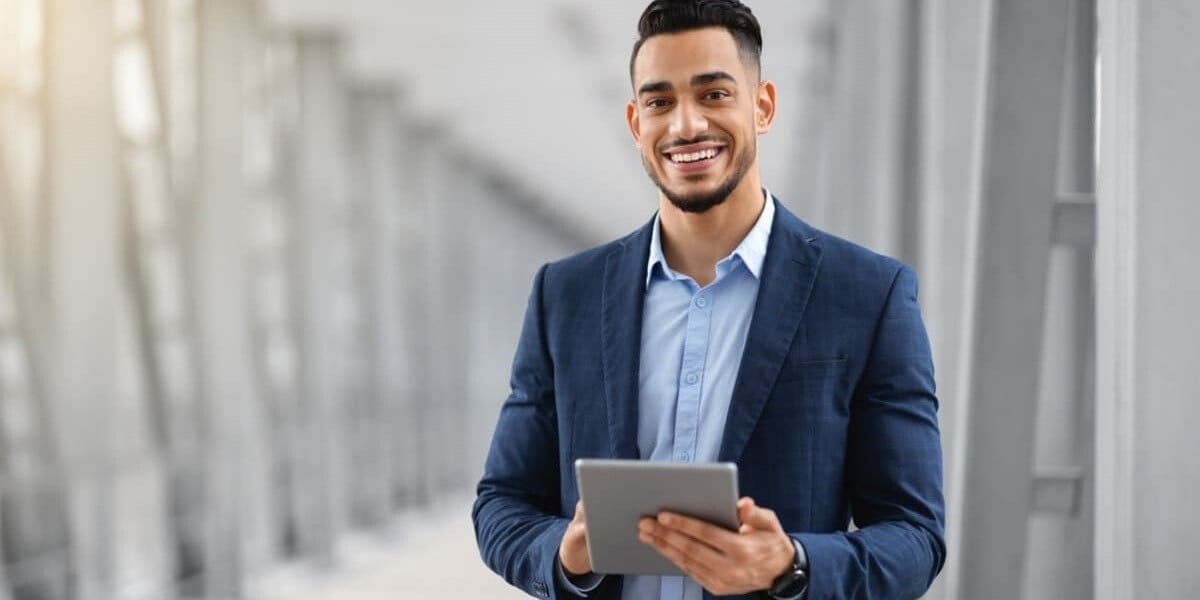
[1075, 221]
[159, 247]
[956, 128]
[1057, 490]
[270, 172]
[1117, 191]
[8, 313]
[320, 189]
[1020, 148]
[385, 422]
[84, 196]
[1150, 289]
[416, 487]
[861, 188]
[32, 499]
[225, 27]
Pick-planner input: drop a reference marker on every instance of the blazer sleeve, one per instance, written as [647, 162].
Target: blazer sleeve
[516, 514]
[893, 470]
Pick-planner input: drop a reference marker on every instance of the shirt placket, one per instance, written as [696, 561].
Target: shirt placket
[691, 376]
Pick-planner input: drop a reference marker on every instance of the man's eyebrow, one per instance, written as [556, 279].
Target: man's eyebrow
[707, 78]
[654, 87]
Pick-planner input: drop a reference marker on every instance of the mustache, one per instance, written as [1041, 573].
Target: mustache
[679, 143]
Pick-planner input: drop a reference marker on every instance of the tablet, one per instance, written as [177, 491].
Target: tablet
[618, 493]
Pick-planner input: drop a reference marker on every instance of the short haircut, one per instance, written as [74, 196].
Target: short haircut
[676, 16]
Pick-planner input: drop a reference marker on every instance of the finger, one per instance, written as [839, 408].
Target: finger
[691, 564]
[696, 550]
[712, 535]
[763, 518]
[745, 506]
[579, 516]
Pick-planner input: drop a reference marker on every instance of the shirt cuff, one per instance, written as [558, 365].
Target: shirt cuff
[581, 585]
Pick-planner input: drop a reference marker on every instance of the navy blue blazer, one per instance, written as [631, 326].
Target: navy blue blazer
[833, 414]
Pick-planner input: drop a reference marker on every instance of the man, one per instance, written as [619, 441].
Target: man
[726, 329]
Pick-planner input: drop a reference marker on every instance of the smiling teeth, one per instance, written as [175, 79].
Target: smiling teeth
[694, 156]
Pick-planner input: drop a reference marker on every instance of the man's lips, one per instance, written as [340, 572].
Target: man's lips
[694, 158]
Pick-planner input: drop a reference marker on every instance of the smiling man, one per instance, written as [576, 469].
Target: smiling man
[725, 329]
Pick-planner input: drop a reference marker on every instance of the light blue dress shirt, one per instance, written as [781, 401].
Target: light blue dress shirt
[692, 343]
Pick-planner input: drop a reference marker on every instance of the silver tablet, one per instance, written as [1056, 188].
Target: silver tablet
[617, 493]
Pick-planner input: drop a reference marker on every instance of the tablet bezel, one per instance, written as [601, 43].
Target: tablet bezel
[708, 491]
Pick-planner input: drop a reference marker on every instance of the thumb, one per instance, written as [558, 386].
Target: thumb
[762, 518]
[745, 507]
[579, 516]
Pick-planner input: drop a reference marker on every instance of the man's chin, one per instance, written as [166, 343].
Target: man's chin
[695, 202]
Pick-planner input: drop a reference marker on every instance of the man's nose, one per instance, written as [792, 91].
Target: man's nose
[688, 122]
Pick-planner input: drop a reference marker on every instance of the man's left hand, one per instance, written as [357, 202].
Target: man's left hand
[723, 561]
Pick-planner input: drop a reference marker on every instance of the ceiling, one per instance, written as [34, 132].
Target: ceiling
[538, 87]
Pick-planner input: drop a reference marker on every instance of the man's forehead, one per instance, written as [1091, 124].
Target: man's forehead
[677, 57]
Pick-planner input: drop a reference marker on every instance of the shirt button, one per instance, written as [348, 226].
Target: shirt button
[691, 378]
[685, 457]
[701, 302]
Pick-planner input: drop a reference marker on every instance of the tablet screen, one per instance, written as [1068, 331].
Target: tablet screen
[618, 493]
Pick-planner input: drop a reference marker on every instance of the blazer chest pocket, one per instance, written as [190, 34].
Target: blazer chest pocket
[811, 370]
[810, 389]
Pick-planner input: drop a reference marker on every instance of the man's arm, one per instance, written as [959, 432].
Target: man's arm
[894, 469]
[517, 508]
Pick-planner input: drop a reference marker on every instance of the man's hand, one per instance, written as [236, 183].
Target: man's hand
[573, 551]
[722, 561]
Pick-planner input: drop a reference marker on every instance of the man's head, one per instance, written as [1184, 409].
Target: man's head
[699, 103]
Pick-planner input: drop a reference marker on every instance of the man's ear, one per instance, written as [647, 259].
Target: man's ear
[764, 107]
[634, 121]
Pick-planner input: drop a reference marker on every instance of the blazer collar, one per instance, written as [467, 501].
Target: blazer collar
[789, 271]
[623, 296]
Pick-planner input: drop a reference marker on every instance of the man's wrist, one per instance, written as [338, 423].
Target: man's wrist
[567, 570]
[792, 584]
[579, 585]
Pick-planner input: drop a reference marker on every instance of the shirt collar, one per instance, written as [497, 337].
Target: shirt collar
[752, 250]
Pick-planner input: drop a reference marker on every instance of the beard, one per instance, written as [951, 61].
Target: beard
[700, 202]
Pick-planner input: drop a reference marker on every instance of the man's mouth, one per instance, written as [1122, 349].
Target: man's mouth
[691, 160]
[690, 157]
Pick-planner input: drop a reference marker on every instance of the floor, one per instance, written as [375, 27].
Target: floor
[432, 555]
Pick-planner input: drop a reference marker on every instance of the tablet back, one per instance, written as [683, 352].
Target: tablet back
[617, 493]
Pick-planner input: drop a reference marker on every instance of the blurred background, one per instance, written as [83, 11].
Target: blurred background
[263, 265]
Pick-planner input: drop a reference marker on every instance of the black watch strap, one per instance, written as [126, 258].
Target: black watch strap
[794, 582]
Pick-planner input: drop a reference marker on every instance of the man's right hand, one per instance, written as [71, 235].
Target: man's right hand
[573, 551]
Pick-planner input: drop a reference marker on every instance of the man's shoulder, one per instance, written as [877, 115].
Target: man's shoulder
[842, 259]
[589, 265]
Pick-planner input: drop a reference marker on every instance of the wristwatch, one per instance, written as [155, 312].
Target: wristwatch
[794, 582]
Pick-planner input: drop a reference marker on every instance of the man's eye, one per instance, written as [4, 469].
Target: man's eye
[715, 95]
[656, 103]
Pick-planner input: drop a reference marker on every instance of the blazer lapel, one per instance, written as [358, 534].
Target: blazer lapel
[789, 270]
[621, 335]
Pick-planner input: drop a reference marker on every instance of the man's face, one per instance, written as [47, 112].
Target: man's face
[697, 112]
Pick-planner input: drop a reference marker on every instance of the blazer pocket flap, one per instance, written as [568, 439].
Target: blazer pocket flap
[802, 370]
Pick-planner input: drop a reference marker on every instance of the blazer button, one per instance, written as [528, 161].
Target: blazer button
[539, 588]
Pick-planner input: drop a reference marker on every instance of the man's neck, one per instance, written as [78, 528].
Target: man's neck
[693, 243]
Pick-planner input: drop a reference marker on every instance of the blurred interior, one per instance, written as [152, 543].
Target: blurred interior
[263, 266]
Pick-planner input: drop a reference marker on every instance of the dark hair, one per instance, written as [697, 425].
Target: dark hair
[675, 16]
